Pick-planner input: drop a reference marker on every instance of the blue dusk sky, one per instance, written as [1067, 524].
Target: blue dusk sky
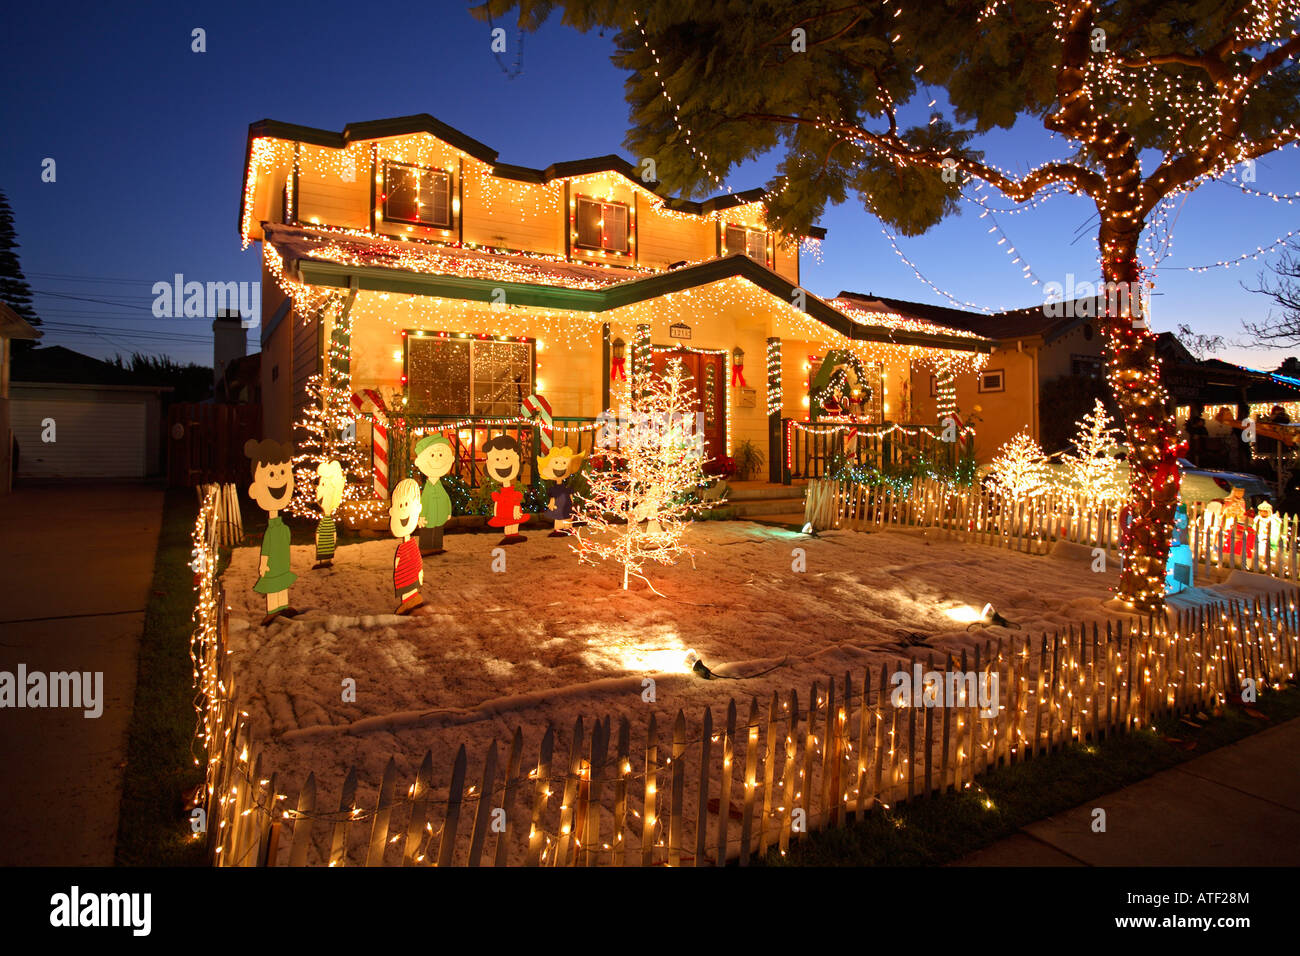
[149, 139]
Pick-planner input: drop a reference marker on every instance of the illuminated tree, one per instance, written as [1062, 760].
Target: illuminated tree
[882, 100]
[1018, 470]
[327, 431]
[1093, 472]
[637, 509]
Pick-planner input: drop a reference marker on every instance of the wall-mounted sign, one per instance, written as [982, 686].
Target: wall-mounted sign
[679, 330]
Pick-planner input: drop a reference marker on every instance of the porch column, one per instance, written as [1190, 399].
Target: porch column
[641, 351]
[775, 402]
[604, 366]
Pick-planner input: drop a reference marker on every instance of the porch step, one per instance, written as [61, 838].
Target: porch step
[761, 490]
[764, 506]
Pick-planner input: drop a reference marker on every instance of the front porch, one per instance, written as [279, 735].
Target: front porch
[798, 450]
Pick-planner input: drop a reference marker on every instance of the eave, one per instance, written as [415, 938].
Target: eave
[424, 123]
[619, 295]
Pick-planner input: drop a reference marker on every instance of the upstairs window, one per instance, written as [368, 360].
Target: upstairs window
[417, 195]
[751, 242]
[601, 225]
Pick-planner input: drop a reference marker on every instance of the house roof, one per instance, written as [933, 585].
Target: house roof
[1031, 322]
[424, 123]
[552, 283]
[14, 326]
[57, 364]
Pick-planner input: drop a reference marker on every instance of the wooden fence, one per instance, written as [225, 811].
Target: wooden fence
[982, 516]
[701, 793]
[205, 442]
[811, 449]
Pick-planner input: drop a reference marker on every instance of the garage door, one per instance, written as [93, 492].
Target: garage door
[92, 439]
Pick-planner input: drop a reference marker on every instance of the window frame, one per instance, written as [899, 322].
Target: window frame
[629, 226]
[1002, 380]
[749, 232]
[451, 189]
[472, 339]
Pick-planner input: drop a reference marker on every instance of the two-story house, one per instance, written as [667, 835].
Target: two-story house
[402, 257]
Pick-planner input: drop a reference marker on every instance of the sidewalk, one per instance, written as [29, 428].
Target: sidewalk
[76, 564]
[1235, 806]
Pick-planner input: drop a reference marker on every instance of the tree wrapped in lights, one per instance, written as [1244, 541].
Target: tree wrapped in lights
[883, 100]
[1018, 471]
[637, 510]
[1092, 470]
[326, 431]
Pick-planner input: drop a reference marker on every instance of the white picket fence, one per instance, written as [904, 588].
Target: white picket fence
[1032, 525]
[705, 794]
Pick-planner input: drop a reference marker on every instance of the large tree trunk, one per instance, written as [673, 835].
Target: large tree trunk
[1148, 425]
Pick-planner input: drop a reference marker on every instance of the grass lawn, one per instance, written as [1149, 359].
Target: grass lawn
[928, 832]
[152, 828]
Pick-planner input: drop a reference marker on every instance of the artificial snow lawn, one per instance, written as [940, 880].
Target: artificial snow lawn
[550, 640]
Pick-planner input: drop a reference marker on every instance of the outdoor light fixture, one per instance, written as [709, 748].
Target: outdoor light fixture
[990, 618]
[697, 666]
[808, 529]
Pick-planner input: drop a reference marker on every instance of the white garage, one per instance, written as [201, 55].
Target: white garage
[85, 431]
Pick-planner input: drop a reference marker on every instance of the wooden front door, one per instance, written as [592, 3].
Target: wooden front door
[704, 373]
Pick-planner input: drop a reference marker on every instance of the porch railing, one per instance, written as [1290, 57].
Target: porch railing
[468, 436]
[810, 449]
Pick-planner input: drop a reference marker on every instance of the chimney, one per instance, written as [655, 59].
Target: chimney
[229, 343]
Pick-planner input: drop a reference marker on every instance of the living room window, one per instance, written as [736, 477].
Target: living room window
[752, 242]
[449, 373]
[417, 195]
[601, 225]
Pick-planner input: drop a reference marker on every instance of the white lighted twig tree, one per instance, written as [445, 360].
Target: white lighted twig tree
[1018, 470]
[327, 431]
[1094, 473]
[637, 509]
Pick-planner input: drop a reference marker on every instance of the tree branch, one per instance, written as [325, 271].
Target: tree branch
[1020, 190]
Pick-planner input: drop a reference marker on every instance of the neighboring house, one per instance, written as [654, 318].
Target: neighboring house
[401, 257]
[75, 416]
[12, 326]
[1028, 349]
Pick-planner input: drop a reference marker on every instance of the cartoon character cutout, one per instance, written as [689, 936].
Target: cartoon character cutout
[561, 466]
[329, 493]
[272, 488]
[435, 457]
[408, 570]
[503, 462]
[1234, 506]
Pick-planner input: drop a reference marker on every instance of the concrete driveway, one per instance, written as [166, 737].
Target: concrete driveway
[76, 564]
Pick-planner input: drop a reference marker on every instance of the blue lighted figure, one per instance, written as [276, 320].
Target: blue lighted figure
[1178, 570]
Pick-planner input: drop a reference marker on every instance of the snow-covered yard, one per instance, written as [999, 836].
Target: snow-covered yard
[548, 640]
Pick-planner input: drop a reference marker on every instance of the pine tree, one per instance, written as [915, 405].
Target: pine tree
[14, 290]
[637, 510]
[327, 431]
[1018, 470]
[1093, 472]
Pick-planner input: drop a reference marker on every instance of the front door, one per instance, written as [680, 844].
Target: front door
[704, 374]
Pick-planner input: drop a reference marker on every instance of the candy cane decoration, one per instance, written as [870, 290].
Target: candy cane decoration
[379, 432]
[540, 409]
